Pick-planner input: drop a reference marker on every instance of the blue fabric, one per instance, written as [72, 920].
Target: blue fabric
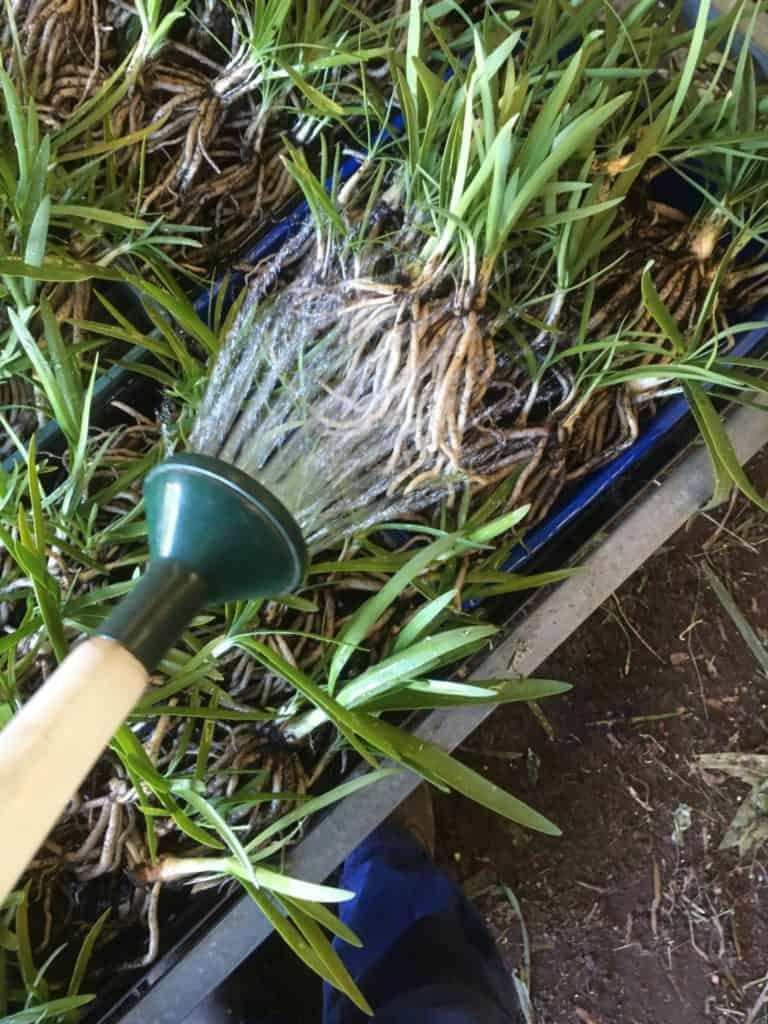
[426, 957]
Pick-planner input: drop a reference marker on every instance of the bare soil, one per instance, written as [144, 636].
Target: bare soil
[635, 916]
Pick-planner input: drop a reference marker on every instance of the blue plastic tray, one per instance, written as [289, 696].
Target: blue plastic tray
[571, 505]
[578, 499]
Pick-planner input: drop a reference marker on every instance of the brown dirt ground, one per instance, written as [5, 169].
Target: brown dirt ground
[629, 923]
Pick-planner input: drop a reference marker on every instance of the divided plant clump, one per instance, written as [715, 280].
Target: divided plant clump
[494, 326]
[482, 313]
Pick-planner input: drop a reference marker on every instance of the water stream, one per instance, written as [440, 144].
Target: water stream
[284, 405]
[314, 406]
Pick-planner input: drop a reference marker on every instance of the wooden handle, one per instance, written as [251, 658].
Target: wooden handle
[48, 748]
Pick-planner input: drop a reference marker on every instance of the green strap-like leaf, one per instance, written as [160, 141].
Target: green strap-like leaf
[660, 313]
[425, 617]
[327, 955]
[18, 126]
[427, 696]
[57, 270]
[135, 758]
[298, 888]
[326, 918]
[319, 803]
[397, 670]
[727, 468]
[207, 811]
[52, 1010]
[368, 614]
[332, 711]
[84, 956]
[420, 754]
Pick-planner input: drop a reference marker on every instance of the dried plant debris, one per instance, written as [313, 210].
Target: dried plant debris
[749, 828]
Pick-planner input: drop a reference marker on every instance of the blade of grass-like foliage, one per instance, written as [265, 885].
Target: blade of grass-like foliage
[413, 48]
[426, 695]
[145, 807]
[718, 375]
[502, 160]
[422, 756]
[660, 313]
[79, 469]
[431, 84]
[408, 111]
[34, 248]
[34, 980]
[538, 141]
[205, 741]
[419, 623]
[156, 23]
[326, 918]
[324, 105]
[194, 669]
[65, 372]
[94, 109]
[277, 882]
[396, 671]
[494, 164]
[321, 204]
[369, 613]
[248, 796]
[484, 583]
[327, 955]
[180, 308]
[58, 270]
[217, 714]
[286, 929]
[101, 216]
[319, 803]
[45, 375]
[567, 216]
[434, 765]
[29, 199]
[25, 960]
[718, 39]
[168, 346]
[18, 125]
[577, 136]
[463, 156]
[748, 634]
[84, 958]
[52, 1010]
[30, 555]
[130, 328]
[330, 709]
[207, 811]
[490, 531]
[133, 755]
[385, 563]
[727, 469]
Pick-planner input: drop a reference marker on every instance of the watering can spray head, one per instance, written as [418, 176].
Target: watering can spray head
[215, 535]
